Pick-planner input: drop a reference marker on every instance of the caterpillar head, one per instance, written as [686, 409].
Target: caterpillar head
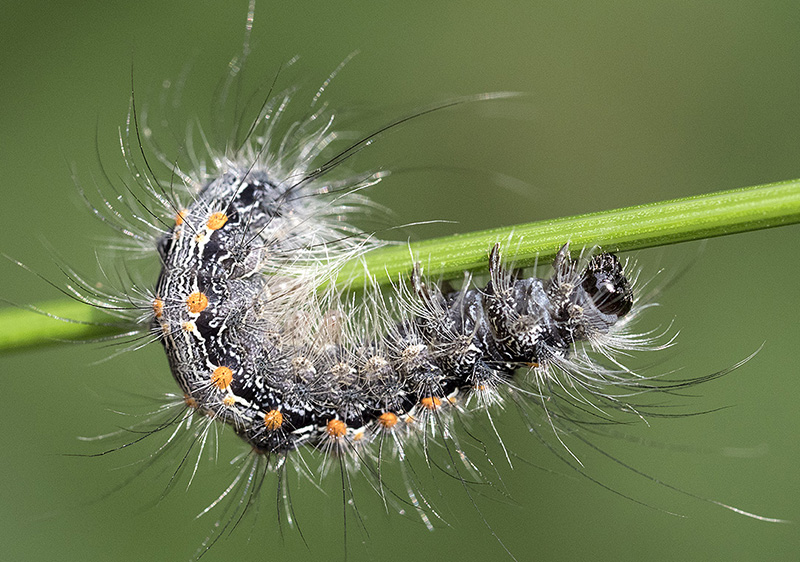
[606, 284]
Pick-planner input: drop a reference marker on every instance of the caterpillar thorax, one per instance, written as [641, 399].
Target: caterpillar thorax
[251, 342]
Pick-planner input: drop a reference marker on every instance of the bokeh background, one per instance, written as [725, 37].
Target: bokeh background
[627, 102]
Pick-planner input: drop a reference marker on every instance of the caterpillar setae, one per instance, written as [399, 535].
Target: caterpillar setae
[253, 341]
[258, 338]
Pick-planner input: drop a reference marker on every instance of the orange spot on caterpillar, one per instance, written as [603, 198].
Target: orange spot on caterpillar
[430, 402]
[217, 221]
[180, 216]
[273, 420]
[387, 420]
[222, 377]
[189, 401]
[158, 308]
[229, 400]
[336, 428]
[197, 302]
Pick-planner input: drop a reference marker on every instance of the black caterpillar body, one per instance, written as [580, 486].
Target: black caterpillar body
[251, 344]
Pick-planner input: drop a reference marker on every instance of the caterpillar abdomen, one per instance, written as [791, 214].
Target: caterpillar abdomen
[250, 343]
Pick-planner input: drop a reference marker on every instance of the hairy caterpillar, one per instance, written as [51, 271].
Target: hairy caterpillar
[249, 344]
[253, 343]
[719, 257]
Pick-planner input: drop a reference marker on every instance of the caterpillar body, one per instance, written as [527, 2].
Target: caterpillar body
[238, 356]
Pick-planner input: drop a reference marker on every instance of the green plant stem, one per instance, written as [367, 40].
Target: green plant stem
[53, 322]
[629, 228]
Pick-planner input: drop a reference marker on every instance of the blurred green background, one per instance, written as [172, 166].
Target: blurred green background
[628, 102]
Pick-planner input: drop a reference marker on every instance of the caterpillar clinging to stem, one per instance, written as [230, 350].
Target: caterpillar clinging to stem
[257, 340]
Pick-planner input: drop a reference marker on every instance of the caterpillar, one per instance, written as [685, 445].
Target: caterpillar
[258, 338]
[239, 353]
